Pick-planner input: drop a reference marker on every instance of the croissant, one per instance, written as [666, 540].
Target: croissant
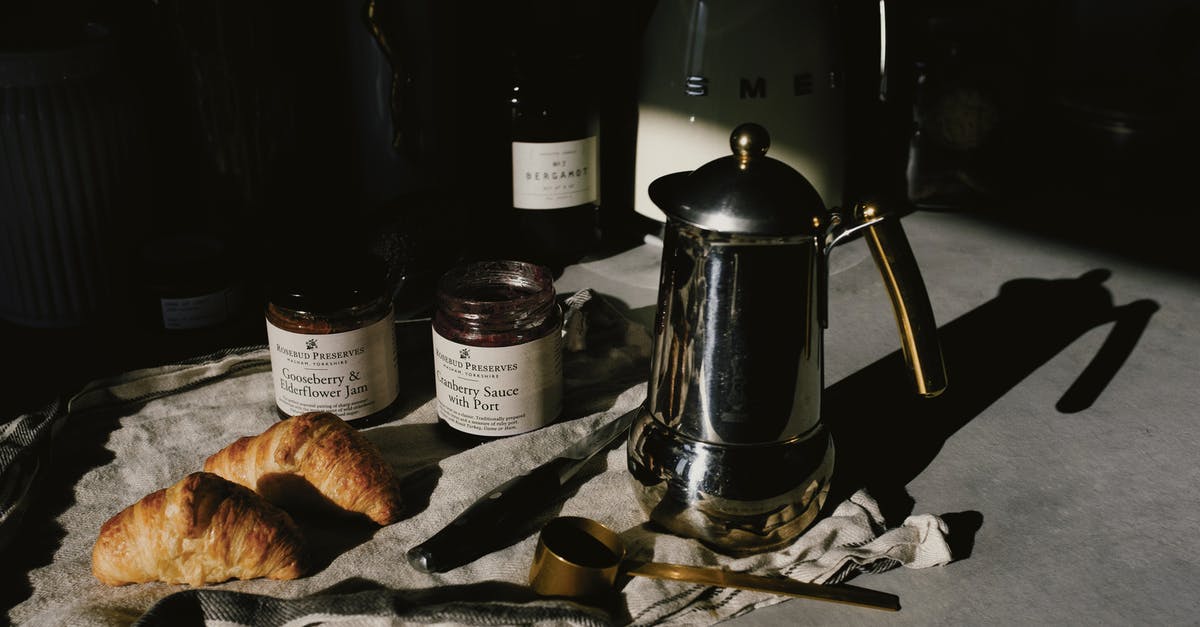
[203, 529]
[313, 459]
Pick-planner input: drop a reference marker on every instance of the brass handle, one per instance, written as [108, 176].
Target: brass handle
[914, 314]
[580, 557]
[851, 595]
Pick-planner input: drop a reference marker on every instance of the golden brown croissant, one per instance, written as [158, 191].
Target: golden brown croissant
[313, 458]
[203, 529]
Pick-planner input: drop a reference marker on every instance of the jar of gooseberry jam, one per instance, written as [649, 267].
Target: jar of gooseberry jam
[332, 339]
[497, 349]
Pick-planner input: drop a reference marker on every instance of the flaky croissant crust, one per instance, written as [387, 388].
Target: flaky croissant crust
[329, 457]
[203, 529]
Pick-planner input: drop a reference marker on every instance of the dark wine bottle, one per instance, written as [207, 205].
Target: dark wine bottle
[555, 158]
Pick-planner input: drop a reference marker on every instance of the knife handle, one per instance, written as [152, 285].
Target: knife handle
[490, 522]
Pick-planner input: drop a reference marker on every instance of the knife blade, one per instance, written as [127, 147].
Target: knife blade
[501, 514]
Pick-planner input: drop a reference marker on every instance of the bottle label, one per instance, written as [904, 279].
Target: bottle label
[351, 374]
[555, 175]
[198, 312]
[498, 391]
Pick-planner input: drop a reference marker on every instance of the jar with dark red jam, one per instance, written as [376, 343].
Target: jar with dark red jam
[332, 339]
[497, 349]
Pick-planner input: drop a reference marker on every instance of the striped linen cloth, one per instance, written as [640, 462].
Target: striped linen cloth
[74, 464]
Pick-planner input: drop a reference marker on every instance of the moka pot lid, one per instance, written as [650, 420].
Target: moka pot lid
[746, 192]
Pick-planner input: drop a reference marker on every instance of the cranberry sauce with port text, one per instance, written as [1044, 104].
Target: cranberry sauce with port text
[497, 349]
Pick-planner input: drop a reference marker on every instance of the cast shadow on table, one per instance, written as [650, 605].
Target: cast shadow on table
[414, 355]
[886, 435]
[77, 448]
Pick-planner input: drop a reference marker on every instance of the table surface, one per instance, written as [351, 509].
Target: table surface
[1063, 455]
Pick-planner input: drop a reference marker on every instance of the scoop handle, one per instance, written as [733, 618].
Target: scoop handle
[914, 315]
[840, 593]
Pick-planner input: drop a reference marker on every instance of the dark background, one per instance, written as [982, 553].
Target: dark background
[1070, 119]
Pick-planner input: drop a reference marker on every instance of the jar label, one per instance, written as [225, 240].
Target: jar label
[351, 374]
[554, 175]
[198, 312]
[498, 391]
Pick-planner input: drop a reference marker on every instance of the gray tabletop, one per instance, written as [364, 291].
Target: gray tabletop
[1064, 453]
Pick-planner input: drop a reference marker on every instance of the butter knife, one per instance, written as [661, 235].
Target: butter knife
[491, 522]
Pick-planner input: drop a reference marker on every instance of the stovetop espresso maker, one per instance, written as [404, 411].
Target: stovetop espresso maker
[729, 447]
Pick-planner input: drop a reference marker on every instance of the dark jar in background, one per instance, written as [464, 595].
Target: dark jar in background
[192, 280]
[332, 338]
[497, 349]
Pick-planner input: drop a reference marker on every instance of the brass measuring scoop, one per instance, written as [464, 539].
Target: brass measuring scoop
[579, 557]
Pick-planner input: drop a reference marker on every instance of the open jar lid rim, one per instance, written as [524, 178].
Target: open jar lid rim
[324, 286]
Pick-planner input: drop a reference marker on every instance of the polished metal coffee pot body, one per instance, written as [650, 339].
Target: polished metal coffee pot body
[729, 447]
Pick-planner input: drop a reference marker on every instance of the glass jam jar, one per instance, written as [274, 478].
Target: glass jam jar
[190, 282]
[332, 338]
[497, 349]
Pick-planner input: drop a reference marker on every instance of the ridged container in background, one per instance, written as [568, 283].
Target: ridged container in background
[71, 176]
